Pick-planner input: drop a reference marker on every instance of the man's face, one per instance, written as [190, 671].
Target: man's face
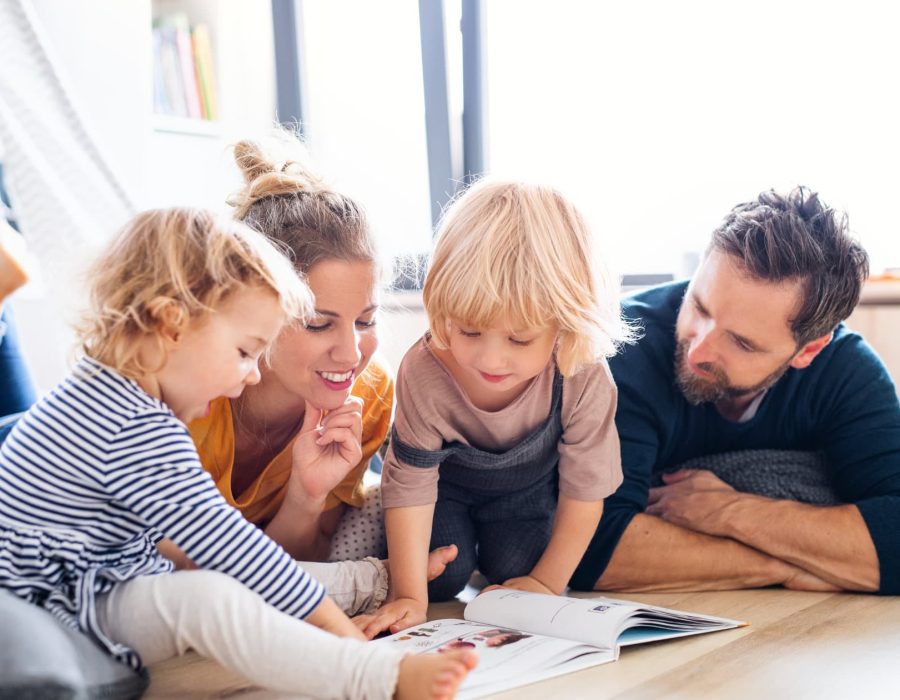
[733, 336]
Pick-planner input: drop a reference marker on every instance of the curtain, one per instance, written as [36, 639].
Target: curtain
[66, 198]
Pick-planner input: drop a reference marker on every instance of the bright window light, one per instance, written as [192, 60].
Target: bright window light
[366, 113]
[657, 117]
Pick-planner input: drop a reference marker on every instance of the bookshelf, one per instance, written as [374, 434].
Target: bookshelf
[188, 161]
[185, 83]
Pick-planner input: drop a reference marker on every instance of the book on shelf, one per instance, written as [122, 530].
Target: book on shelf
[206, 79]
[185, 48]
[523, 638]
[184, 80]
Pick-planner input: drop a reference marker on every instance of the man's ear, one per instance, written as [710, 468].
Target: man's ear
[810, 351]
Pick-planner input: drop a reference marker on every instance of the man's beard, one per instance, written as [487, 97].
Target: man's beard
[698, 390]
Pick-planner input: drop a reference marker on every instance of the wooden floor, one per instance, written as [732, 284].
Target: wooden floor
[798, 646]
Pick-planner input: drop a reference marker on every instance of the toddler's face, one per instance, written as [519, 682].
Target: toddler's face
[498, 362]
[219, 355]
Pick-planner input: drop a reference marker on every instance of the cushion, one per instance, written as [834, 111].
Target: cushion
[42, 659]
[791, 474]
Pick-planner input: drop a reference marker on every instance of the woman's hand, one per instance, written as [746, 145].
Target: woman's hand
[324, 452]
[326, 449]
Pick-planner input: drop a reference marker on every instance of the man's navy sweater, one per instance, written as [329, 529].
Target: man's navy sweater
[844, 404]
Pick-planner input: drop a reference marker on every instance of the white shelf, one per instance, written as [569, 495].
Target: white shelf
[187, 126]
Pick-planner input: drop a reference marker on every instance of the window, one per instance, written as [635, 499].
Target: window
[658, 117]
[365, 112]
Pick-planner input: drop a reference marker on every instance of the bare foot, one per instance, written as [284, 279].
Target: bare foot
[434, 676]
[439, 558]
[437, 562]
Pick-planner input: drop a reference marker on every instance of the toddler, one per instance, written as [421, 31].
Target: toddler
[184, 304]
[508, 399]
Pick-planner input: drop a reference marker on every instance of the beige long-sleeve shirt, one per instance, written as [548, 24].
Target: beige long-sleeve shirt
[432, 409]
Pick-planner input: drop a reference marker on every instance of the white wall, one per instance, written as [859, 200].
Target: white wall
[402, 323]
[103, 52]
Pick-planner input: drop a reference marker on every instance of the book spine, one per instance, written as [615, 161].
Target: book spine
[186, 63]
[161, 102]
[171, 72]
[205, 72]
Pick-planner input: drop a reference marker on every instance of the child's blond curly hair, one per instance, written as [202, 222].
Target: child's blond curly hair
[522, 254]
[171, 265]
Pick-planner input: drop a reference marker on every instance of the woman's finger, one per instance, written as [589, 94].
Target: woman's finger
[341, 436]
[345, 420]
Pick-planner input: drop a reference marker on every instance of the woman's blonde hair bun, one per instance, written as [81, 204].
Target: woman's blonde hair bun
[277, 165]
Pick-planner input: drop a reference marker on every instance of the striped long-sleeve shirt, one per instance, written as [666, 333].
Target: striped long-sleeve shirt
[92, 477]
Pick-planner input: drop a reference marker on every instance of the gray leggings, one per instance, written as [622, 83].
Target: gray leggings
[219, 618]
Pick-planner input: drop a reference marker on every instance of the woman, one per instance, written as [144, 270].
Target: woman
[252, 445]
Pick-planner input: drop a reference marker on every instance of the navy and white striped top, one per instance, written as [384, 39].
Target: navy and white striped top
[92, 477]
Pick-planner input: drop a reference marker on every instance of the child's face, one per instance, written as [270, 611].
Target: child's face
[219, 355]
[319, 363]
[499, 360]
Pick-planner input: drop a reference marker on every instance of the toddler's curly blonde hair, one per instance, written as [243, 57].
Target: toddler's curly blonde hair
[177, 264]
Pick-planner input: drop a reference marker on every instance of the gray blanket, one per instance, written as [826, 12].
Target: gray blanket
[791, 474]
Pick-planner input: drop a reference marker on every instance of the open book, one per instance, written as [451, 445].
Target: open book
[526, 637]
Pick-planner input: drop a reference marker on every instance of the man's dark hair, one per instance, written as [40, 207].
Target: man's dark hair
[797, 237]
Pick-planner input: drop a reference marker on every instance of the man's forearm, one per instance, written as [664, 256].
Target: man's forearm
[831, 542]
[654, 555]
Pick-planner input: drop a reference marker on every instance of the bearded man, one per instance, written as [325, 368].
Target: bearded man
[760, 437]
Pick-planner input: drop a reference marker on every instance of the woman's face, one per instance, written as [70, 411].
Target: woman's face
[321, 360]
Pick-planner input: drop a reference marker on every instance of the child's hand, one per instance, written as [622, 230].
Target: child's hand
[393, 617]
[327, 448]
[330, 618]
[523, 583]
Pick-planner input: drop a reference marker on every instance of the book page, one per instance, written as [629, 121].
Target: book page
[596, 621]
[553, 616]
[507, 658]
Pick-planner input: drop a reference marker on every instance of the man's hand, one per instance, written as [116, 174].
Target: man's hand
[326, 449]
[694, 499]
[393, 617]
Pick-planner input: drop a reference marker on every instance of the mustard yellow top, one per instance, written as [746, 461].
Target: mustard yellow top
[214, 438]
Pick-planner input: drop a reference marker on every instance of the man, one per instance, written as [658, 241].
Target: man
[752, 355]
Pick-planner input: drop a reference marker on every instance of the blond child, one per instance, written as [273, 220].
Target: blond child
[184, 304]
[508, 399]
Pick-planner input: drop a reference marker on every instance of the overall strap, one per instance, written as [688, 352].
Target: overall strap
[417, 457]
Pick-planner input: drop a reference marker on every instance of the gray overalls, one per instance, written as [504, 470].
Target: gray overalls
[496, 507]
